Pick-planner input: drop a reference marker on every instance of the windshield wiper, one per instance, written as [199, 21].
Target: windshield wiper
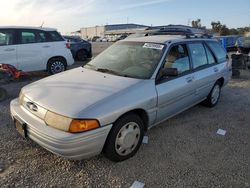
[109, 71]
[112, 72]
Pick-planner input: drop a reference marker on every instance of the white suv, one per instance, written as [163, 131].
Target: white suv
[34, 48]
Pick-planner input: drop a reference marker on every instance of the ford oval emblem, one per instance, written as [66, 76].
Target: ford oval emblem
[32, 106]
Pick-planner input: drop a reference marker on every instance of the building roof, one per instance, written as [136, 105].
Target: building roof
[28, 27]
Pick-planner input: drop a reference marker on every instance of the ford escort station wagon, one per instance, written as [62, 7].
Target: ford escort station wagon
[107, 105]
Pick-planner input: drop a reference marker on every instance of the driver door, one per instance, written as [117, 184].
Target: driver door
[177, 93]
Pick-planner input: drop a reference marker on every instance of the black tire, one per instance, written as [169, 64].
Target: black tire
[3, 94]
[81, 55]
[129, 128]
[211, 101]
[56, 65]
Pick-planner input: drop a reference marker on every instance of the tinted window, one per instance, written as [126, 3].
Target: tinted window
[55, 36]
[28, 37]
[6, 37]
[210, 56]
[42, 36]
[218, 50]
[178, 58]
[198, 54]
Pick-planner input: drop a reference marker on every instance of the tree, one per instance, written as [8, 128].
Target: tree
[233, 31]
[219, 28]
[196, 23]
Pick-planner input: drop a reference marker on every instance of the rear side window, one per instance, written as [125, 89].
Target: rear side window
[198, 54]
[32, 36]
[28, 37]
[55, 36]
[218, 51]
[6, 37]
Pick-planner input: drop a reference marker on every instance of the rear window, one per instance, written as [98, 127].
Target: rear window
[55, 36]
[218, 51]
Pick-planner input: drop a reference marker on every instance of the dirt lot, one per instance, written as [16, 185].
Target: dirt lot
[184, 151]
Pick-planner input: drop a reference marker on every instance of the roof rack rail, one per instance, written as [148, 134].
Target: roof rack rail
[188, 34]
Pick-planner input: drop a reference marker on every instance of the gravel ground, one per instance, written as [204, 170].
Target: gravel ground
[184, 151]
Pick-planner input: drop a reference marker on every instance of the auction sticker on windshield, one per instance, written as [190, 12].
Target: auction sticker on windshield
[153, 46]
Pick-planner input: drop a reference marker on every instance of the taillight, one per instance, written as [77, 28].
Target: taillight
[68, 45]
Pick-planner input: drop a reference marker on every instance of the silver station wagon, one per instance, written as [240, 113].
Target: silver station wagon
[107, 105]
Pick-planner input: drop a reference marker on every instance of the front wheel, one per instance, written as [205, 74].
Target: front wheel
[124, 138]
[213, 96]
[56, 65]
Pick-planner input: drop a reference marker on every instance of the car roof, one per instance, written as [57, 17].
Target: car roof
[28, 27]
[164, 39]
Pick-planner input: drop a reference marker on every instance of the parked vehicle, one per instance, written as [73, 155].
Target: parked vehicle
[121, 37]
[109, 104]
[243, 43]
[96, 39]
[228, 42]
[34, 48]
[80, 49]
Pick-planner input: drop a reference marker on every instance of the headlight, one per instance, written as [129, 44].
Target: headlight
[68, 124]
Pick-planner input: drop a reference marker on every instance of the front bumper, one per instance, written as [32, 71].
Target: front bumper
[72, 146]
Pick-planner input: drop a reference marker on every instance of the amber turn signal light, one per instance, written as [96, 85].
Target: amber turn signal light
[77, 126]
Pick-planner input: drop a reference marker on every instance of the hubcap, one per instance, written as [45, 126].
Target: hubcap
[127, 138]
[57, 67]
[215, 94]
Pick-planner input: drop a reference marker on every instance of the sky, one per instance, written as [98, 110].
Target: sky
[71, 15]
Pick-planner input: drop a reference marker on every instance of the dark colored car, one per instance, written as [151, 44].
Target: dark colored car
[80, 49]
[121, 37]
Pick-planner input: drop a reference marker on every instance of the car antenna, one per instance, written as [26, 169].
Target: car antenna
[42, 24]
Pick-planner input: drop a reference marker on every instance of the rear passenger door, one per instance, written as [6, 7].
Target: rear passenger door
[33, 50]
[176, 94]
[8, 48]
[205, 68]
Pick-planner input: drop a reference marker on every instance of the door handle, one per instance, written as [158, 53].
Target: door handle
[9, 49]
[189, 79]
[46, 46]
[216, 69]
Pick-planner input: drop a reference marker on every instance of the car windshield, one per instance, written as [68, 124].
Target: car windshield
[128, 59]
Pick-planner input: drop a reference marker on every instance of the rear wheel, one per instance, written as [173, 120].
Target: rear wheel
[214, 95]
[56, 65]
[124, 138]
[81, 55]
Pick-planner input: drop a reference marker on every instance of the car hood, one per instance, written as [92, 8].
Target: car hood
[70, 92]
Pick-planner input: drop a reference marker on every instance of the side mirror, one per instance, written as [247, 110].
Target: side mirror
[167, 72]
